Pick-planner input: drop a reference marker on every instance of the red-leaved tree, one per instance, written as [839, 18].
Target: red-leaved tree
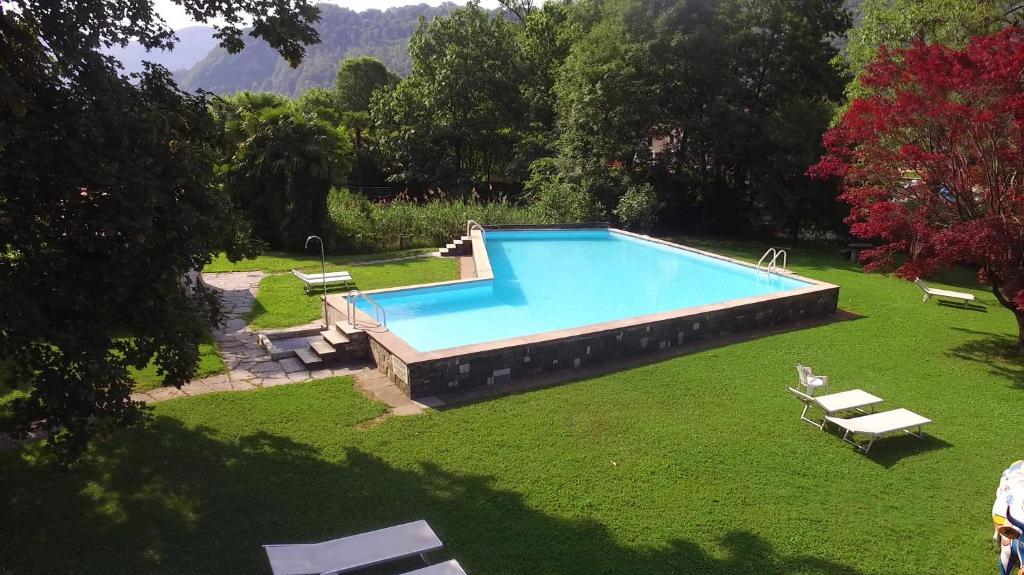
[932, 162]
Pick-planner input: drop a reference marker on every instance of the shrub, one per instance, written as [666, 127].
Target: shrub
[362, 226]
[555, 200]
[638, 207]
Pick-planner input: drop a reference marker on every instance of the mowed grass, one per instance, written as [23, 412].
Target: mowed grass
[210, 363]
[694, 465]
[275, 262]
[281, 301]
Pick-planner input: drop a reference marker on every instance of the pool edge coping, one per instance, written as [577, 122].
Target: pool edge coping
[409, 355]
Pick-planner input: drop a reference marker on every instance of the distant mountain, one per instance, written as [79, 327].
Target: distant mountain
[194, 43]
[343, 33]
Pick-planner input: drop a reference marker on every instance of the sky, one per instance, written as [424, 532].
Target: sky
[177, 19]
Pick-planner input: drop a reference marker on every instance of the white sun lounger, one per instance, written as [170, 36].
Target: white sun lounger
[311, 281]
[833, 403]
[354, 552]
[879, 424]
[447, 568]
[930, 292]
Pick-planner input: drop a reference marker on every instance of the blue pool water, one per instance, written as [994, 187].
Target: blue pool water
[550, 280]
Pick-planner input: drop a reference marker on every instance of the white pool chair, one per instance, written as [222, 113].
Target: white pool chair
[447, 568]
[810, 381]
[930, 292]
[312, 281]
[354, 552]
[834, 403]
[879, 424]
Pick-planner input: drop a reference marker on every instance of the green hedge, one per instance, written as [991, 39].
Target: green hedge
[364, 226]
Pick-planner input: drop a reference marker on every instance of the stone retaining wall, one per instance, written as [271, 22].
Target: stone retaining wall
[494, 367]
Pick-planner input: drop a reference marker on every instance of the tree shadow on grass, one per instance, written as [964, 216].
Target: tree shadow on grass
[171, 499]
[996, 351]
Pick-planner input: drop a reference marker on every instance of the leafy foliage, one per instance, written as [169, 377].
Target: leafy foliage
[357, 80]
[735, 92]
[456, 117]
[109, 197]
[284, 165]
[900, 23]
[930, 161]
[363, 226]
[638, 207]
[556, 200]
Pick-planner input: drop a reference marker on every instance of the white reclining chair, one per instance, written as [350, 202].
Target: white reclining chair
[354, 552]
[878, 424]
[930, 292]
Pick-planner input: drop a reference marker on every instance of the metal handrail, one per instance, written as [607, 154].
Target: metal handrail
[774, 253]
[768, 252]
[473, 224]
[379, 314]
[777, 254]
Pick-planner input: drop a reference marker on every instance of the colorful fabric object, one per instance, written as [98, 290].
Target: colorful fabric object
[1008, 518]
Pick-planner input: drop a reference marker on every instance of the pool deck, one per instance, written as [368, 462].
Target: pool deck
[456, 369]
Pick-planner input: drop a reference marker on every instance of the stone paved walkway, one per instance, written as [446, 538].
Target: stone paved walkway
[249, 367]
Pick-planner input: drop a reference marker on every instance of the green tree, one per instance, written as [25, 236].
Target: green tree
[108, 198]
[899, 23]
[357, 80]
[322, 104]
[282, 169]
[457, 116]
[715, 83]
[546, 40]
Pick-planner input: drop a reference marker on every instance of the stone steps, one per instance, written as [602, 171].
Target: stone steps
[335, 337]
[346, 328]
[462, 246]
[323, 349]
[309, 357]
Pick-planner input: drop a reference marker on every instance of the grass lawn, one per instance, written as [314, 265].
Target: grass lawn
[275, 262]
[209, 364]
[694, 465]
[281, 301]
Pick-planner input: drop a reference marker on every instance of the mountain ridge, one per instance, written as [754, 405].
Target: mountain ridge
[344, 33]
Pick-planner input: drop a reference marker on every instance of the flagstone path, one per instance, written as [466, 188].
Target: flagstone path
[249, 367]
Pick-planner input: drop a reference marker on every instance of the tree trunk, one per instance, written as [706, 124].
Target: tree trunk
[1008, 304]
[1020, 330]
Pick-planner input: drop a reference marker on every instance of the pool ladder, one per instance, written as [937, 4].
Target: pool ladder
[772, 264]
[380, 316]
[473, 225]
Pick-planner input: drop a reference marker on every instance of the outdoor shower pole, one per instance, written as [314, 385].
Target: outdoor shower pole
[323, 272]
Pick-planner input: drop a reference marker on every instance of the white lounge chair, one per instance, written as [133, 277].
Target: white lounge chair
[879, 424]
[354, 552]
[312, 281]
[930, 292]
[447, 568]
[810, 381]
[833, 403]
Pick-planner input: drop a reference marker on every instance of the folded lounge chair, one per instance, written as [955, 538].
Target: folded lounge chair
[930, 292]
[354, 552]
[311, 281]
[879, 424]
[833, 403]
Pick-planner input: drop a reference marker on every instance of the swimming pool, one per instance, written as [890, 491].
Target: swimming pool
[558, 279]
[550, 300]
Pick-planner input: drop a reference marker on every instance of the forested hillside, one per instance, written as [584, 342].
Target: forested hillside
[343, 33]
